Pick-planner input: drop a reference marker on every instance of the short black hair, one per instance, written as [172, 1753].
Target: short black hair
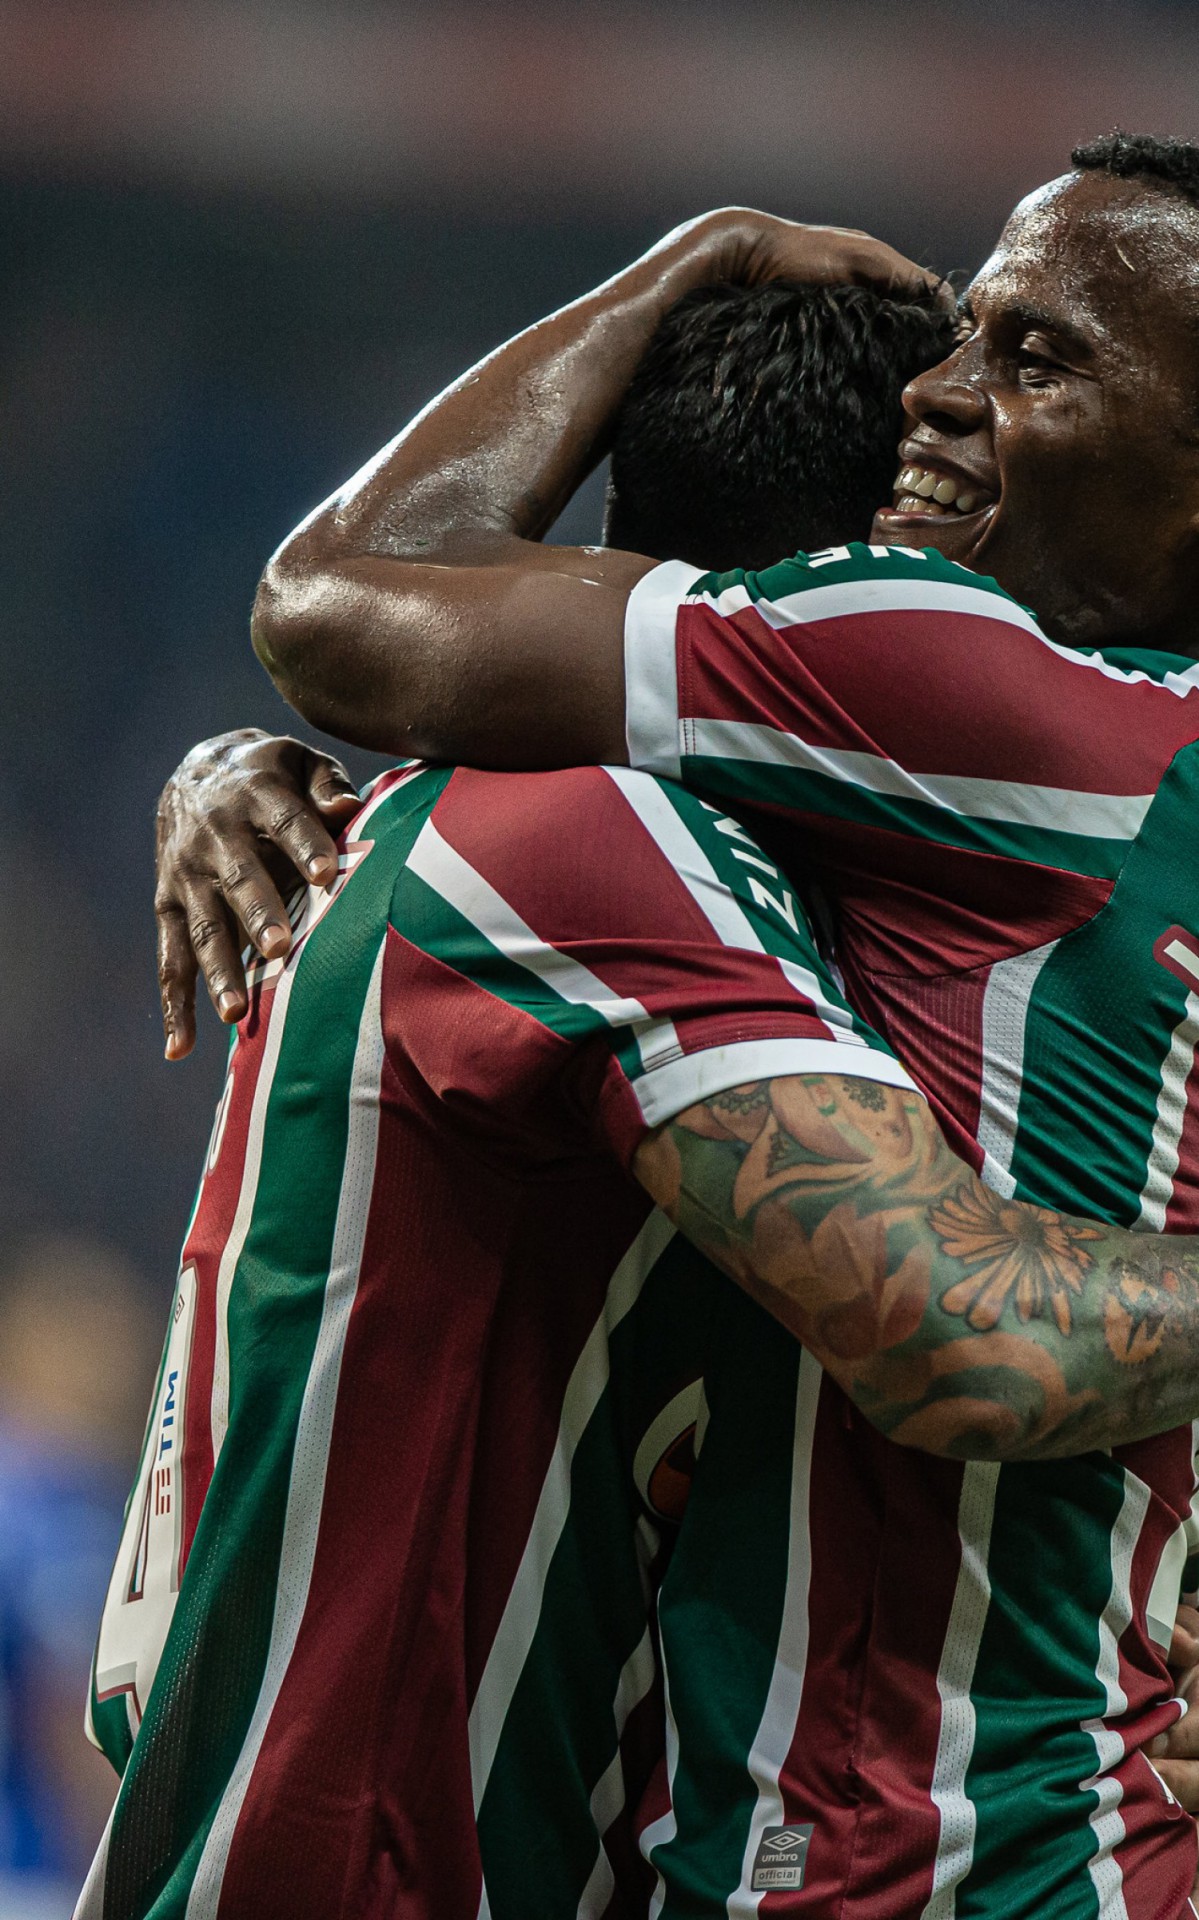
[1164, 162]
[762, 420]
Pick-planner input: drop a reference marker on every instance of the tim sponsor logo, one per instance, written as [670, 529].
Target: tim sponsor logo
[782, 1856]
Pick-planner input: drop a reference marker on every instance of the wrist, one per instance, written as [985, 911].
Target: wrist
[709, 249]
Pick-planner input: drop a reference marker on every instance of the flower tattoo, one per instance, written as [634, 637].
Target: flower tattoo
[1032, 1258]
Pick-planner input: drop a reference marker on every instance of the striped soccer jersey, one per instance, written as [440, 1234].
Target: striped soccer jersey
[947, 1700]
[379, 1637]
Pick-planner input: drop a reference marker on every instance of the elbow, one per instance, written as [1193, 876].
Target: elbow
[273, 633]
[287, 632]
[944, 1402]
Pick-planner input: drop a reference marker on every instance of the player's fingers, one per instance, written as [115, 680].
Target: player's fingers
[291, 821]
[1184, 1643]
[330, 786]
[247, 887]
[878, 265]
[210, 930]
[831, 255]
[1179, 1742]
[176, 982]
[1182, 1778]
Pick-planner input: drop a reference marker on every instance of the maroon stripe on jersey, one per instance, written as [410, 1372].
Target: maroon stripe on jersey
[819, 1781]
[536, 1339]
[663, 951]
[1165, 1465]
[362, 1789]
[935, 1026]
[205, 1245]
[900, 1716]
[1147, 1855]
[1158, 1872]
[846, 683]
[870, 1745]
[634, 890]
[362, 1785]
[915, 906]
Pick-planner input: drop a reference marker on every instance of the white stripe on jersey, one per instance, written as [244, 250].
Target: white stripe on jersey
[518, 1626]
[955, 1676]
[862, 597]
[651, 670]
[231, 1252]
[776, 1733]
[1004, 1020]
[608, 1795]
[317, 903]
[1096, 816]
[314, 1429]
[1107, 1823]
[443, 869]
[662, 1831]
[719, 906]
[90, 1904]
[669, 1090]
[1169, 1121]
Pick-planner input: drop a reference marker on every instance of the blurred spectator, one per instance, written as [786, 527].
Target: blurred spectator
[77, 1354]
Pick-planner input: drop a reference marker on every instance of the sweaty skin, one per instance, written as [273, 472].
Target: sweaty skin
[415, 610]
[1071, 408]
[441, 534]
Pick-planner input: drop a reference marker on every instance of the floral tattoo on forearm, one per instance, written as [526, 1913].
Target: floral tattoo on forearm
[959, 1321]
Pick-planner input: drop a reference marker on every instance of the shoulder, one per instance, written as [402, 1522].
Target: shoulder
[860, 578]
[606, 853]
[586, 841]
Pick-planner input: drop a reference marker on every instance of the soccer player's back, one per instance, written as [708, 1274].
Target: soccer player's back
[381, 1616]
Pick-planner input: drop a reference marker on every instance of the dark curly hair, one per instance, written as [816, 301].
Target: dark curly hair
[765, 419]
[1172, 165]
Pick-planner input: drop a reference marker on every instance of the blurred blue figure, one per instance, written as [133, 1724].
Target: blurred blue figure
[76, 1360]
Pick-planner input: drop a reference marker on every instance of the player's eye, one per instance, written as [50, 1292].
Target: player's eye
[1037, 365]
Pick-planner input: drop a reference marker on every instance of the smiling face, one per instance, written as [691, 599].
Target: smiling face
[1058, 447]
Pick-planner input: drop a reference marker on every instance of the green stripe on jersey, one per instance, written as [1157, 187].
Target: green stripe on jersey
[839, 566]
[536, 1835]
[724, 1626]
[773, 915]
[1035, 1680]
[1099, 1017]
[802, 790]
[212, 1665]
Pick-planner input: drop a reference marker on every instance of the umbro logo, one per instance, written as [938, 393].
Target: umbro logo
[781, 1858]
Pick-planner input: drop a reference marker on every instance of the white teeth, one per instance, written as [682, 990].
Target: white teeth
[917, 489]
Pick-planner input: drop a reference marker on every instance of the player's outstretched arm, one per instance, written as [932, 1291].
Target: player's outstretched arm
[957, 1321]
[416, 610]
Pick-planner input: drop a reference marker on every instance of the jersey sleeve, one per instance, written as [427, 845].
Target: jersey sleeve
[899, 705]
[610, 938]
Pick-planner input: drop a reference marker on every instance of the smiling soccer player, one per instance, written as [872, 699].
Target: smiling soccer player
[1003, 825]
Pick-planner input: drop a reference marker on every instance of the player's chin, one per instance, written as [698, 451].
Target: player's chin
[959, 536]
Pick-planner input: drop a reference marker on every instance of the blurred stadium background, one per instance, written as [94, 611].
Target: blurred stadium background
[241, 243]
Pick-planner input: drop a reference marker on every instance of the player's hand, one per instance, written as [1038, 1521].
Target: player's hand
[1175, 1753]
[239, 813]
[750, 248]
